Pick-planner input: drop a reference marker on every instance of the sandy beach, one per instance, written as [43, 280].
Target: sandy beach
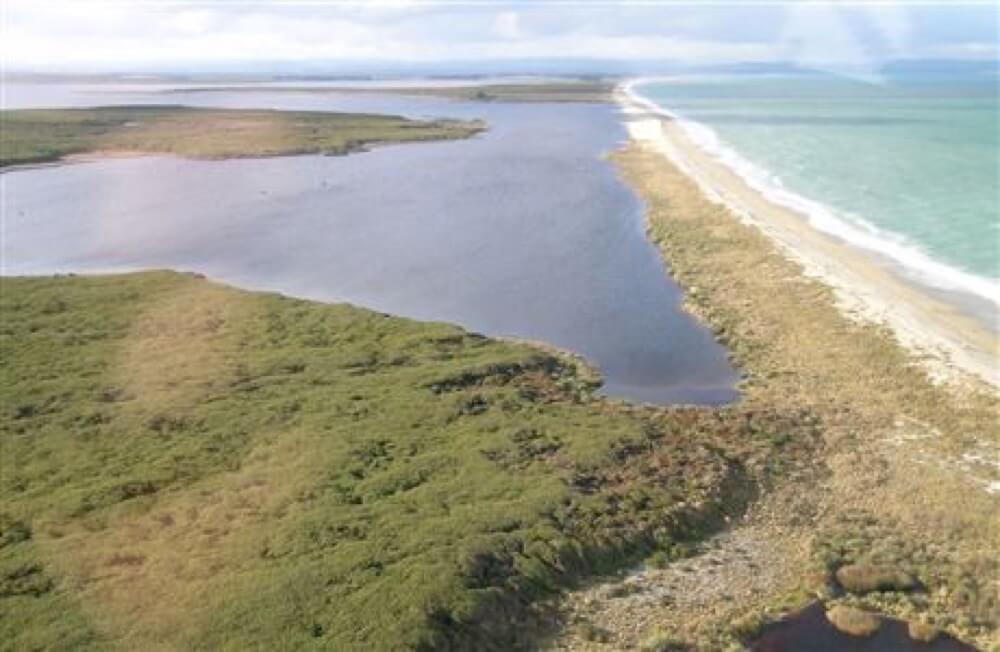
[903, 470]
[953, 346]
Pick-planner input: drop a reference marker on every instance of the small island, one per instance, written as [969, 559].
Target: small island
[46, 135]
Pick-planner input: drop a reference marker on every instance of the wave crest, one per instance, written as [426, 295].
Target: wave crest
[851, 228]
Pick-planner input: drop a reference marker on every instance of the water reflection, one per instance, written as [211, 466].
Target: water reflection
[810, 630]
[524, 231]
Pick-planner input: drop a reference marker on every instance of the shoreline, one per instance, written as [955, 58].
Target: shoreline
[97, 156]
[900, 473]
[37, 136]
[951, 346]
[540, 90]
[836, 422]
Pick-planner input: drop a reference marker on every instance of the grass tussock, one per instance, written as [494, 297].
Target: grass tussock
[865, 578]
[39, 135]
[922, 632]
[189, 466]
[853, 622]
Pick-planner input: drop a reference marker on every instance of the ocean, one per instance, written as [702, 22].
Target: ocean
[906, 167]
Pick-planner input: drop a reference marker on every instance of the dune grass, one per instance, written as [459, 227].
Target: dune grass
[39, 135]
[189, 466]
[894, 505]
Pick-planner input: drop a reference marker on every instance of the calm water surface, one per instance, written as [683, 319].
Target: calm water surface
[524, 231]
[809, 630]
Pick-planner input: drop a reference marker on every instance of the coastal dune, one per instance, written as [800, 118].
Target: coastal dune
[953, 347]
[902, 475]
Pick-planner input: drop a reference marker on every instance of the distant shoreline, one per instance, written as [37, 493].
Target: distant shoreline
[949, 343]
[538, 90]
[34, 137]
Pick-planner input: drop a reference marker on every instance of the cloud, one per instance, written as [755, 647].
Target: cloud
[112, 33]
[972, 50]
[818, 36]
[506, 25]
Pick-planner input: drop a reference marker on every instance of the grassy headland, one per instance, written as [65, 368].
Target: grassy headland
[189, 466]
[897, 488]
[40, 135]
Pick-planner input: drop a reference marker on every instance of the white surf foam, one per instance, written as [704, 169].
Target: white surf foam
[848, 227]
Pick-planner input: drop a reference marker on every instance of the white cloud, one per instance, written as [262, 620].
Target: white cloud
[57, 33]
[816, 35]
[115, 33]
[970, 50]
[506, 25]
[193, 21]
[893, 25]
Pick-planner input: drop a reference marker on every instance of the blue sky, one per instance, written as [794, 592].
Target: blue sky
[102, 34]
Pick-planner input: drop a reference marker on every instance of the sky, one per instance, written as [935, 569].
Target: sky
[185, 35]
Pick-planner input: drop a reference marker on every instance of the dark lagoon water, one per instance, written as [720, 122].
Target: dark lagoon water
[524, 231]
[809, 630]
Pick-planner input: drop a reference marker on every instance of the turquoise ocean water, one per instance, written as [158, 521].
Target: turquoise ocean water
[906, 167]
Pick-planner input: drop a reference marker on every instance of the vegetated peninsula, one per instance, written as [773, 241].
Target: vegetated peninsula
[187, 465]
[42, 135]
[193, 466]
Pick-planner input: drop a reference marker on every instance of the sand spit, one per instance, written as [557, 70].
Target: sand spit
[954, 347]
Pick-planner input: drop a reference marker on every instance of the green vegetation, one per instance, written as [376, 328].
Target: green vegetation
[890, 507]
[38, 135]
[553, 91]
[657, 641]
[885, 566]
[569, 91]
[189, 466]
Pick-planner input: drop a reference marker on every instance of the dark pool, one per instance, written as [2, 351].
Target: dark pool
[810, 630]
[524, 231]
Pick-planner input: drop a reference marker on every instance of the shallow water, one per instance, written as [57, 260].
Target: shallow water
[810, 630]
[906, 168]
[524, 231]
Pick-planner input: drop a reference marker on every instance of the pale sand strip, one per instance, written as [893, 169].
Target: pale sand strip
[949, 343]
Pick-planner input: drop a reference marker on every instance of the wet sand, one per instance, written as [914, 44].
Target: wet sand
[952, 345]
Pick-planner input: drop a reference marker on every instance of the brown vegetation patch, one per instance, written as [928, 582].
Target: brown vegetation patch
[146, 572]
[922, 632]
[177, 351]
[865, 578]
[41, 135]
[215, 134]
[853, 622]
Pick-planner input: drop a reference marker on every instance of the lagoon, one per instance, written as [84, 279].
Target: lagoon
[524, 231]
